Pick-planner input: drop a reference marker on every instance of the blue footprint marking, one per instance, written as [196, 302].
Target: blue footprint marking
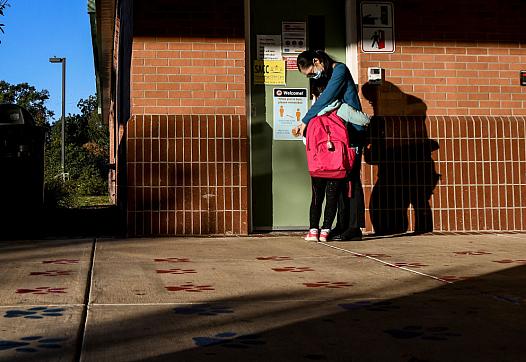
[383, 306]
[432, 333]
[204, 309]
[229, 339]
[31, 344]
[34, 313]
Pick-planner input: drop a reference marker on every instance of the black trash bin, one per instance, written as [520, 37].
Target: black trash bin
[22, 167]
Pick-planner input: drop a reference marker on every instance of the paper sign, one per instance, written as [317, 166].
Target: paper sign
[292, 62]
[294, 37]
[269, 47]
[270, 72]
[290, 106]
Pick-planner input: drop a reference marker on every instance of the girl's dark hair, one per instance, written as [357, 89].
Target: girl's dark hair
[306, 59]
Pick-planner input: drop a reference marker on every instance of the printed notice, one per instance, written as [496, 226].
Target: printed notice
[290, 105]
[294, 36]
[377, 27]
[271, 72]
[269, 47]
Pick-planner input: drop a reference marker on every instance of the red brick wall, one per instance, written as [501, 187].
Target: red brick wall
[454, 79]
[461, 58]
[187, 139]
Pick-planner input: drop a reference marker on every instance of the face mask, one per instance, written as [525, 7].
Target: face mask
[316, 75]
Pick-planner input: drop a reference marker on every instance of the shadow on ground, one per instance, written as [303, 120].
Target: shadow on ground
[481, 319]
[61, 222]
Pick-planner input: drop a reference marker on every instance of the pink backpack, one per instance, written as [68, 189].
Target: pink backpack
[328, 151]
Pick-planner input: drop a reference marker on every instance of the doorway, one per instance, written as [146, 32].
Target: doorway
[280, 180]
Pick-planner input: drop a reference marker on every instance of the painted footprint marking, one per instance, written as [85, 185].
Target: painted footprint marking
[293, 269]
[42, 290]
[333, 285]
[509, 261]
[61, 261]
[430, 333]
[52, 273]
[471, 252]
[453, 278]
[34, 313]
[172, 260]
[274, 258]
[410, 265]
[382, 306]
[374, 255]
[204, 309]
[32, 344]
[229, 340]
[189, 287]
[176, 271]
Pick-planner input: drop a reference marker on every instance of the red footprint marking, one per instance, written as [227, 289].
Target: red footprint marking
[293, 269]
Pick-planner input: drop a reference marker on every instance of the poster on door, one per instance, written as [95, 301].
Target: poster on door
[269, 72]
[269, 47]
[377, 27]
[290, 105]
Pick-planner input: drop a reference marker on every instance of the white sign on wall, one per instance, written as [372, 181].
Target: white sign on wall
[290, 105]
[377, 27]
[269, 47]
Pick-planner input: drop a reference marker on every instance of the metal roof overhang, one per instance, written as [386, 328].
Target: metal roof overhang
[102, 17]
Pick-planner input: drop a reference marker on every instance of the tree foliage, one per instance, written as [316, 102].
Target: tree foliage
[86, 144]
[3, 5]
[27, 96]
[86, 161]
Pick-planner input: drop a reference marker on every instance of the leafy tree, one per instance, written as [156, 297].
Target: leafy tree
[86, 144]
[87, 147]
[27, 96]
[3, 5]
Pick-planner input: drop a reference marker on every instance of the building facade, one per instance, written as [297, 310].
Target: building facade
[194, 136]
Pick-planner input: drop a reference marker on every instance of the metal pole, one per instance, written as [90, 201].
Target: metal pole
[63, 116]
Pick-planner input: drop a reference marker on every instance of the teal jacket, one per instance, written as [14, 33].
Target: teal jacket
[340, 87]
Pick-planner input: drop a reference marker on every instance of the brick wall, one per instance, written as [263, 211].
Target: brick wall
[187, 139]
[451, 105]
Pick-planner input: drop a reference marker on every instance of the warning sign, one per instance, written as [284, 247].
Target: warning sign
[377, 27]
[269, 72]
[290, 105]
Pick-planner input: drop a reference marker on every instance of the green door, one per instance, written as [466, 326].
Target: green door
[280, 179]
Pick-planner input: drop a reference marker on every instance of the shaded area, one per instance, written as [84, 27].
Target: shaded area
[479, 319]
[63, 222]
[400, 147]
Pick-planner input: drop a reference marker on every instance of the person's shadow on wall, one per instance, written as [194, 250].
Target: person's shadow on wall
[398, 144]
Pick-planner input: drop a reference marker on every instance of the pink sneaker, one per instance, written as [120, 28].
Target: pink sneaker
[324, 234]
[312, 235]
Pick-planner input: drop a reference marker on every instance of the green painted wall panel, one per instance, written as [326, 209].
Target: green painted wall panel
[280, 180]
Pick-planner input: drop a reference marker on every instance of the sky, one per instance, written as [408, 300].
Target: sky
[36, 30]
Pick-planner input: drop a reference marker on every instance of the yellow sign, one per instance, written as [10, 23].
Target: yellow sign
[270, 72]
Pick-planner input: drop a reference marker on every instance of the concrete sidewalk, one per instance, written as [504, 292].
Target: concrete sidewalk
[271, 298]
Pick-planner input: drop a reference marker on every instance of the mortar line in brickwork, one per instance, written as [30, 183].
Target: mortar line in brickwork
[87, 303]
[497, 155]
[456, 120]
[518, 154]
[446, 190]
[483, 178]
[512, 172]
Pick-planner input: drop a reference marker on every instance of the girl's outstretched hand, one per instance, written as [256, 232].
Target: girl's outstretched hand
[298, 130]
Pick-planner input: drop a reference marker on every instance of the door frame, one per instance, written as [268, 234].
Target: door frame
[351, 60]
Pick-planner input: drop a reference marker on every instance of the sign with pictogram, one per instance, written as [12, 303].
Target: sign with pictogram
[377, 27]
[290, 105]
